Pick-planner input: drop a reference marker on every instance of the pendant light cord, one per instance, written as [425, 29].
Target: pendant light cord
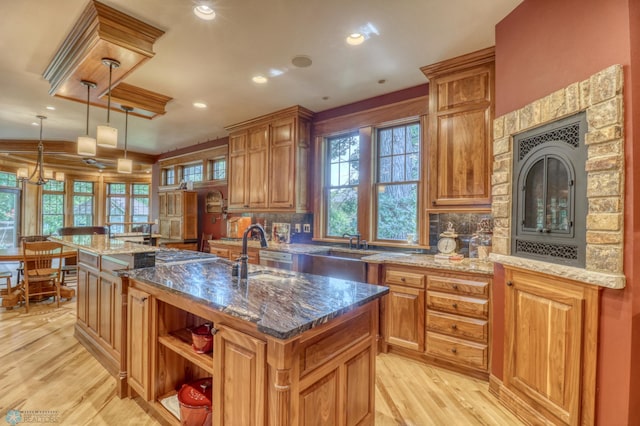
[109, 97]
[88, 100]
[126, 126]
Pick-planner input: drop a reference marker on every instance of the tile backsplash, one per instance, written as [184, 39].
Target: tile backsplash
[465, 225]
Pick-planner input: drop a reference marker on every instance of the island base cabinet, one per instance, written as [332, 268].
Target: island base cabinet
[138, 344]
[240, 367]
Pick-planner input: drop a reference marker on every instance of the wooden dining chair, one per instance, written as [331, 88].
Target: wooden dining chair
[42, 262]
[204, 242]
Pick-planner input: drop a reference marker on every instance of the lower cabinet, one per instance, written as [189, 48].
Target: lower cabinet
[240, 368]
[138, 342]
[439, 317]
[551, 328]
[233, 252]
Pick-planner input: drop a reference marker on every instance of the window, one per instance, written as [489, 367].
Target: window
[52, 206]
[140, 203]
[398, 167]
[218, 169]
[168, 176]
[82, 202]
[127, 203]
[342, 184]
[192, 173]
[8, 179]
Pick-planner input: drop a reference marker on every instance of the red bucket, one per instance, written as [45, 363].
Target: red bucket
[202, 339]
[195, 403]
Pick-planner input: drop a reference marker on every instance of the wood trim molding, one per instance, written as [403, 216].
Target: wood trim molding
[100, 32]
[295, 110]
[468, 60]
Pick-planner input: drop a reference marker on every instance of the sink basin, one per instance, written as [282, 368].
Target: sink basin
[338, 264]
[342, 254]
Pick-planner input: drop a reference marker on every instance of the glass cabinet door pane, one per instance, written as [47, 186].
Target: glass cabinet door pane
[533, 200]
[557, 195]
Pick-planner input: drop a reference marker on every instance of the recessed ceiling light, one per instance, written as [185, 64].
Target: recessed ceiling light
[260, 79]
[204, 11]
[51, 108]
[355, 39]
[301, 61]
[199, 105]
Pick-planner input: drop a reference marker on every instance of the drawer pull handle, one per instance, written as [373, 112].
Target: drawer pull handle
[455, 306]
[403, 279]
[454, 327]
[509, 283]
[455, 286]
[454, 350]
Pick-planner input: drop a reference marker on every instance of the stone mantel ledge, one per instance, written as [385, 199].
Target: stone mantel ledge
[600, 279]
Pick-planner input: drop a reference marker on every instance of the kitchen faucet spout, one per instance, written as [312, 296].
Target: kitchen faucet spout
[244, 257]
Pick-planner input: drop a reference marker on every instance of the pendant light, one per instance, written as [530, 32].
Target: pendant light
[125, 165]
[87, 144]
[107, 136]
[39, 173]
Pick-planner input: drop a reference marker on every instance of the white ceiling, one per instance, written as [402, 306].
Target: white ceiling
[213, 61]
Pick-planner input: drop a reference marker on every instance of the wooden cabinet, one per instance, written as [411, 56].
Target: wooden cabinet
[233, 252]
[138, 342]
[404, 311]
[268, 162]
[551, 328]
[458, 320]
[240, 367]
[178, 217]
[461, 109]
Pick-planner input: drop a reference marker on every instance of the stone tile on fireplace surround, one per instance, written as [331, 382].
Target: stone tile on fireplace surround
[601, 96]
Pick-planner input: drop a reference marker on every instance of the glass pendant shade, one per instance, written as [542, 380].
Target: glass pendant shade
[107, 136]
[23, 173]
[86, 146]
[125, 165]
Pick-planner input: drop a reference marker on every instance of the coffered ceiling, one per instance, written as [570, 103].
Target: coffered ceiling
[214, 61]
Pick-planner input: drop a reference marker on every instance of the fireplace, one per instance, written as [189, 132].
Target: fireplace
[592, 222]
[549, 191]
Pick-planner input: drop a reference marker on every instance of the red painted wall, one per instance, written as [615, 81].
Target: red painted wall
[543, 46]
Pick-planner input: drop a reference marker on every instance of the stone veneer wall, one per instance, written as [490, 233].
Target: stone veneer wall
[601, 96]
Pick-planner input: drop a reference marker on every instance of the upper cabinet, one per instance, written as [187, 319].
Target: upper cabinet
[461, 110]
[269, 162]
[178, 216]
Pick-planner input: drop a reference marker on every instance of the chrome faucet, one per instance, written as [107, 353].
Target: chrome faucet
[244, 257]
[351, 237]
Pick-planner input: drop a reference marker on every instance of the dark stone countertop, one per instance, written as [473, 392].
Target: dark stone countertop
[281, 303]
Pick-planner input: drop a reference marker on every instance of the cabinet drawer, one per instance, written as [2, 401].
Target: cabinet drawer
[458, 326]
[458, 304]
[220, 252]
[400, 277]
[456, 350]
[458, 286]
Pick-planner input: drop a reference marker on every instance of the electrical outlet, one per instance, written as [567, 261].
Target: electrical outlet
[307, 227]
[296, 227]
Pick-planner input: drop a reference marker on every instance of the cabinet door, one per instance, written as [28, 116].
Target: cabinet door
[545, 333]
[240, 365]
[460, 133]
[138, 342]
[162, 204]
[282, 166]
[190, 215]
[257, 167]
[404, 317]
[82, 295]
[238, 171]
[171, 204]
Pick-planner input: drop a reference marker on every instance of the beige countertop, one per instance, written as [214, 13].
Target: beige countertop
[384, 257]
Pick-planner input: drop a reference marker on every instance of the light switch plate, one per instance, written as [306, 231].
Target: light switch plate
[307, 227]
[296, 228]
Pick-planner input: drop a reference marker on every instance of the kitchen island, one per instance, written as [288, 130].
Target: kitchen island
[288, 348]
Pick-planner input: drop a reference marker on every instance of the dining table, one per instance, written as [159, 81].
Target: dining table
[11, 296]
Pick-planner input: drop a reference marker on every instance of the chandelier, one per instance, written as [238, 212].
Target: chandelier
[39, 176]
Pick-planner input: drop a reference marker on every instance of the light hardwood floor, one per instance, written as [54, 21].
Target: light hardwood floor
[45, 371]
